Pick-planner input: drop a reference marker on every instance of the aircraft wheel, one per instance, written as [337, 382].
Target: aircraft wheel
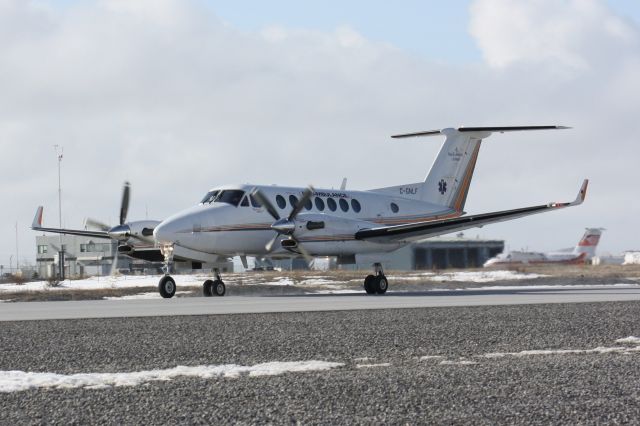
[369, 284]
[218, 288]
[207, 288]
[381, 284]
[167, 287]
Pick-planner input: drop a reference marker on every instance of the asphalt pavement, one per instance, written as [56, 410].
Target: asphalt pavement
[423, 365]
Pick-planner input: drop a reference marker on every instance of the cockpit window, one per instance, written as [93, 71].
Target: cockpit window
[208, 199]
[245, 202]
[229, 196]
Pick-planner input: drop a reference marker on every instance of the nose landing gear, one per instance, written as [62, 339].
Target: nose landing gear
[376, 284]
[167, 285]
[216, 287]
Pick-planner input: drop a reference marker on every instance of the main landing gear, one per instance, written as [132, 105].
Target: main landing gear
[376, 284]
[214, 288]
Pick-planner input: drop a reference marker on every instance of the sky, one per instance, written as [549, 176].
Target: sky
[180, 96]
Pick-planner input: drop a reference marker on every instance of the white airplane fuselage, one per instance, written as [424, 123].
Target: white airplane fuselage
[227, 229]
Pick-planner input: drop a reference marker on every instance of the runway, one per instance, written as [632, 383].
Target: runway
[24, 311]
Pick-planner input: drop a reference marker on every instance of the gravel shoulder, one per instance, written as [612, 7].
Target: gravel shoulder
[558, 388]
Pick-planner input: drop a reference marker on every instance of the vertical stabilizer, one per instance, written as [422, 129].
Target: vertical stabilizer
[589, 242]
[448, 181]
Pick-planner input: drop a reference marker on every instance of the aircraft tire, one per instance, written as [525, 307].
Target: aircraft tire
[207, 288]
[167, 287]
[369, 284]
[218, 288]
[381, 284]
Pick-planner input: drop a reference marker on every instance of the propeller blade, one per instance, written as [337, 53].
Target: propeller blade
[303, 200]
[266, 203]
[303, 251]
[124, 206]
[114, 264]
[96, 224]
[271, 242]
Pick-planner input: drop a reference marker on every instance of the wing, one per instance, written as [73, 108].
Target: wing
[422, 230]
[37, 226]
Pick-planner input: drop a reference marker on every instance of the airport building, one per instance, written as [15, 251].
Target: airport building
[439, 253]
[83, 256]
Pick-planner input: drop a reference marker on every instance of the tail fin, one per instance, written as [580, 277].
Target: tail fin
[449, 178]
[589, 242]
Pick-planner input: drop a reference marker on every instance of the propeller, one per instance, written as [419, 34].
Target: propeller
[285, 226]
[121, 232]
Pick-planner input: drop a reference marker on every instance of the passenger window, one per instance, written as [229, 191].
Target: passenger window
[355, 205]
[394, 208]
[281, 202]
[308, 205]
[319, 204]
[255, 203]
[293, 200]
[331, 203]
[344, 205]
[245, 202]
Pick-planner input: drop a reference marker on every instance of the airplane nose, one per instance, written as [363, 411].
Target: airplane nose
[164, 233]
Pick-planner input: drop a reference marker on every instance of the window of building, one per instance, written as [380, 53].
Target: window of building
[344, 205]
[331, 203]
[281, 202]
[293, 200]
[355, 205]
[42, 249]
[394, 208]
[319, 203]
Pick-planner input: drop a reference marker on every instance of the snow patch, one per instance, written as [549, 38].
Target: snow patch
[470, 276]
[459, 362]
[631, 340]
[598, 350]
[428, 357]
[15, 381]
[382, 364]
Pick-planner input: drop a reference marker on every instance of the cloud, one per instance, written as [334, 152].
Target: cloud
[168, 96]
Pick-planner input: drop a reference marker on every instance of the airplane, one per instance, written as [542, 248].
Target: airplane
[134, 238]
[278, 221]
[579, 255]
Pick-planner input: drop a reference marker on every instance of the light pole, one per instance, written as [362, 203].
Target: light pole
[59, 152]
[17, 251]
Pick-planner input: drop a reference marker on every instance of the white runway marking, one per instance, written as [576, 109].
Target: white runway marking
[15, 381]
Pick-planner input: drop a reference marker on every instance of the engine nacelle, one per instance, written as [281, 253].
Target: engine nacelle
[313, 224]
[140, 230]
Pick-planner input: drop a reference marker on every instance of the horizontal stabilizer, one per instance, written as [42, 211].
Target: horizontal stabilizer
[500, 129]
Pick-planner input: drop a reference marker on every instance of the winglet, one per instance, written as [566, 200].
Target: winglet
[37, 219]
[582, 194]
